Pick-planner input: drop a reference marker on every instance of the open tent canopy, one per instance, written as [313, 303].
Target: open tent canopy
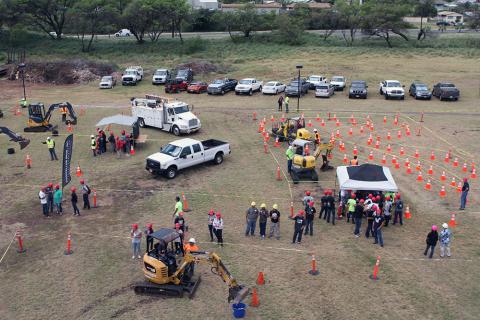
[369, 177]
[127, 121]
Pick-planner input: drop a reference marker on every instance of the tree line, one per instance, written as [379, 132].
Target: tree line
[148, 19]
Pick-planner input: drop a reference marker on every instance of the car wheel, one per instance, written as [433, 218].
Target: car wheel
[176, 131]
[386, 96]
[402, 98]
[218, 158]
[237, 93]
[223, 92]
[117, 35]
[141, 123]
[349, 97]
[171, 172]
[276, 92]
[441, 99]
[250, 92]
[260, 89]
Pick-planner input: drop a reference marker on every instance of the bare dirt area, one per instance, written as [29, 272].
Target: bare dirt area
[95, 281]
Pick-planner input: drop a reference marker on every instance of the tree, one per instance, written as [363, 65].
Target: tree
[177, 11]
[10, 13]
[326, 20]
[142, 17]
[48, 15]
[290, 28]
[424, 9]
[247, 20]
[350, 18]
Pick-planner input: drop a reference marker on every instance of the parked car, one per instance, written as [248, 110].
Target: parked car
[197, 87]
[248, 86]
[314, 81]
[107, 82]
[54, 34]
[123, 33]
[392, 89]
[160, 76]
[292, 88]
[175, 86]
[338, 83]
[185, 74]
[273, 87]
[221, 86]
[358, 89]
[446, 91]
[132, 76]
[420, 90]
[184, 153]
[324, 90]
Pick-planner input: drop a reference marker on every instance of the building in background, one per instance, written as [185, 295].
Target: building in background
[453, 18]
[204, 4]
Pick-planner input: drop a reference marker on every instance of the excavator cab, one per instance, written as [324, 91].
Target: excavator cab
[291, 129]
[305, 159]
[39, 120]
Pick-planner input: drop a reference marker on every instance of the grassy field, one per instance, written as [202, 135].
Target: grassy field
[95, 281]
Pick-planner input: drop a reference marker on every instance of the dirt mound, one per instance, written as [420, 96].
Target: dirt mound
[67, 71]
[203, 67]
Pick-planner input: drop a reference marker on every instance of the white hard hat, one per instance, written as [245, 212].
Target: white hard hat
[48, 138]
[290, 147]
[92, 136]
[445, 226]
[315, 130]
[191, 240]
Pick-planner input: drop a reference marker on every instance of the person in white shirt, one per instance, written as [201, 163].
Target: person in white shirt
[43, 200]
[218, 228]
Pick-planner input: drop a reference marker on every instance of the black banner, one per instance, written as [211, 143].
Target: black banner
[67, 159]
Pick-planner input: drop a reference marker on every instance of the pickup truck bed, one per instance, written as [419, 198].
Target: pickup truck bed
[211, 143]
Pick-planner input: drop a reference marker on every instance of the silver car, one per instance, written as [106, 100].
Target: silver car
[107, 82]
[324, 90]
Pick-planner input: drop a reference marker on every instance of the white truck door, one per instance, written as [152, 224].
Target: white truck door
[185, 159]
[198, 153]
[168, 118]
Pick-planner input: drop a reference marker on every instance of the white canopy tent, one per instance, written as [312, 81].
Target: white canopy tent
[368, 177]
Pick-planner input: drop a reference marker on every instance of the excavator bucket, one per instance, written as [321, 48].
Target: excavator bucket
[237, 294]
[23, 143]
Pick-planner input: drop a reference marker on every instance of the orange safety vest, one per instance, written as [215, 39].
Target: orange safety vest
[317, 137]
[188, 247]
[354, 162]
[63, 110]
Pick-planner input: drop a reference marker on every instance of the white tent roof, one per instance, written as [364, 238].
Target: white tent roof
[369, 177]
[117, 119]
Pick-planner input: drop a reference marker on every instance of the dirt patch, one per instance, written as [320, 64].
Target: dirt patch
[204, 67]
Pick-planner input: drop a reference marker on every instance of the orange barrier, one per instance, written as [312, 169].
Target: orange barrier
[69, 245]
[375, 270]
[185, 203]
[255, 302]
[21, 248]
[452, 222]
[314, 270]
[260, 279]
[28, 161]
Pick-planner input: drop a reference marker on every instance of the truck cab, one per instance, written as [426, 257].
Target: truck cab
[132, 75]
[166, 114]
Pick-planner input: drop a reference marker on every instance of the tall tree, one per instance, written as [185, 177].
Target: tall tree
[350, 15]
[140, 16]
[424, 9]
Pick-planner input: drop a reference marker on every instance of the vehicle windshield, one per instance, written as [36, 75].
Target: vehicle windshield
[393, 84]
[338, 79]
[106, 78]
[270, 84]
[182, 73]
[245, 81]
[160, 72]
[294, 83]
[422, 87]
[447, 85]
[130, 72]
[171, 150]
[322, 87]
[181, 109]
[218, 81]
[358, 84]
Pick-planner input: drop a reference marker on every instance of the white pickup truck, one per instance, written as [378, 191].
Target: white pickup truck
[184, 153]
[165, 114]
[248, 86]
[132, 75]
[391, 89]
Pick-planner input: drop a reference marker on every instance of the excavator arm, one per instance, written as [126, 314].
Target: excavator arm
[15, 137]
[55, 106]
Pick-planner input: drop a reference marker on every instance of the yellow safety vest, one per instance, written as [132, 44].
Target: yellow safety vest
[50, 144]
[93, 143]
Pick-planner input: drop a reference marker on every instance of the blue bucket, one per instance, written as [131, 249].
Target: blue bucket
[239, 310]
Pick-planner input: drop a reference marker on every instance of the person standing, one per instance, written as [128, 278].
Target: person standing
[354, 161]
[275, 222]
[179, 241]
[307, 199]
[118, 148]
[317, 136]
[178, 206]
[123, 138]
[218, 228]
[74, 200]
[432, 239]
[251, 219]
[93, 145]
[51, 148]
[378, 223]
[330, 202]
[280, 103]
[148, 238]
[369, 210]
[299, 224]
[351, 203]
[180, 220]
[103, 139]
[445, 240]
[63, 111]
[49, 192]
[309, 217]
[211, 217]
[286, 101]
[43, 201]
[463, 197]
[290, 155]
[111, 140]
[136, 236]
[262, 221]
[323, 207]
[387, 210]
[85, 194]
[57, 200]
[398, 210]
[357, 217]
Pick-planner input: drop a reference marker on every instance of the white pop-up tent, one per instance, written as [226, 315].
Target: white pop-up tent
[368, 177]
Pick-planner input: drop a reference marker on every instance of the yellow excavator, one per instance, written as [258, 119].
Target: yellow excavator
[168, 274]
[303, 167]
[291, 129]
[39, 120]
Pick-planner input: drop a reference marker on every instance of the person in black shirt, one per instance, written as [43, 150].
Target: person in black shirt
[357, 216]
[76, 212]
[310, 215]
[298, 226]
[463, 198]
[275, 222]
[369, 211]
[378, 223]
[330, 210]
[432, 239]
[180, 220]
[323, 209]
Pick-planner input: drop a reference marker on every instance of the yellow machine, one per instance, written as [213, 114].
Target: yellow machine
[39, 120]
[291, 129]
[168, 274]
[303, 167]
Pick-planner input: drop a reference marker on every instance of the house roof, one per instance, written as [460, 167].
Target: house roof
[448, 13]
[275, 5]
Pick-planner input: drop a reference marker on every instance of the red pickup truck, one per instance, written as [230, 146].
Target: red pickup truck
[175, 86]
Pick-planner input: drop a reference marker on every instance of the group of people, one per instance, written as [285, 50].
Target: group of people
[283, 101]
[444, 238]
[118, 144]
[263, 215]
[51, 198]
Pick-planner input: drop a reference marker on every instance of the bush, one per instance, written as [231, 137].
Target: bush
[194, 45]
[290, 31]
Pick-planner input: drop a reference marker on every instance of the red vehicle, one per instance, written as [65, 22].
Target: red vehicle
[197, 87]
[175, 86]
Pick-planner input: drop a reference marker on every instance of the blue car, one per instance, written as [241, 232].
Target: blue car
[420, 90]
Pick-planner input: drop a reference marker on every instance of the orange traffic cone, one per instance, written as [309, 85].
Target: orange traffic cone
[407, 131]
[361, 129]
[443, 193]
[309, 123]
[337, 123]
[132, 150]
[291, 209]
[345, 159]
[260, 279]
[447, 157]
[432, 156]
[474, 174]
[272, 119]
[254, 116]
[464, 168]
[442, 177]
[282, 118]
[452, 222]
[409, 170]
[395, 120]
[314, 270]
[277, 143]
[350, 131]
[428, 185]
[370, 156]
[394, 160]
[402, 152]
[419, 177]
[384, 119]
[399, 134]
[278, 174]
[334, 117]
[397, 165]
[79, 171]
[453, 183]
[317, 118]
[355, 151]
[260, 127]
[417, 155]
[418, 167]
[28, 161]
[389, 136]
[338, 134]
[455, 162]
[255, 302]
[407, 162]
[430, 171]
[265, 147]
[408, 215]
[371, 127]
[322, 123]
[384, 159]
[377, 145]
[459, 187]
[389, 148]
[185, 203]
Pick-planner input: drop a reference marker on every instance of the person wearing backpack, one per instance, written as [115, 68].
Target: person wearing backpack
[398, 210]
[86, 194]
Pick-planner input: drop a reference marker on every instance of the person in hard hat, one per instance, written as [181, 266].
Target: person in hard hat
[49, 191]
[57, 199]
[357, 217]
[251, 219]
[387, 210]
[323, 207]
[317, 136]
[285, 102]
[445, 240]
[330, 203]
[191, 246]
[179, 241]
[178, 206]
[369, 212]
[354, 161]
[432, 239]
[136, 236]
[218, 228]
[290, 155]
[43, 201]
[298, 226]
[118, 146]
[74, 200]
[211, 217]
[378, 223]
[274, 222]
[148, 231]
[123, 138]
[309, 216]
[23, 102]
[307, 199]
[51, 148]
[398, 212]
[180, 220]
[85, 194]
[111, 140]
[262, 220]
[93, 145]
[351, 203]
[463, 197]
